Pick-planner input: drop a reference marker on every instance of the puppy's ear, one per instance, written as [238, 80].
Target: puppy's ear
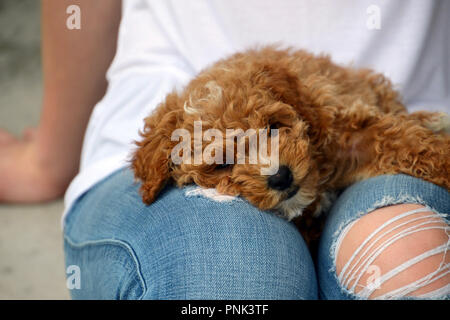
[281, 82]
[150, 161]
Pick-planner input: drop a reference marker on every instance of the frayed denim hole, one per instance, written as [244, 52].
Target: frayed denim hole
[209, 194]
[384, 202]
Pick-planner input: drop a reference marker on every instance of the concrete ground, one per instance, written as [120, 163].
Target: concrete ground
[31, 254]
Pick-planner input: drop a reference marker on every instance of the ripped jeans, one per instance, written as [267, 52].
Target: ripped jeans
[194, 244]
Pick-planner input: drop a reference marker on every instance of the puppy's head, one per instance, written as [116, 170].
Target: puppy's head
[234, 128]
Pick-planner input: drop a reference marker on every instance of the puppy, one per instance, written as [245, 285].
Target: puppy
[334, 126]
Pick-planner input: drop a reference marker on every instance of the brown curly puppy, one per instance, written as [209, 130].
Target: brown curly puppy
[336, 125]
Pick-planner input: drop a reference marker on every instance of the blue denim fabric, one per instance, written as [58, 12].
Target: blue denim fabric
[182, 247]
[191, 247]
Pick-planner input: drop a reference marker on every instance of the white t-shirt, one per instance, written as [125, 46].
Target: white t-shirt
[164, 43]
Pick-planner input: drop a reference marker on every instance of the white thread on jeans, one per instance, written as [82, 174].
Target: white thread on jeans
[344, 269]
[386, 244]
[209, 193]
[339, 242]
[403, 291]
[395, 237]
[441, 292]
[381, 236]
[367, 291]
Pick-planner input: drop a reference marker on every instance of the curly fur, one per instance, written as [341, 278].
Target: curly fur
[337, 125]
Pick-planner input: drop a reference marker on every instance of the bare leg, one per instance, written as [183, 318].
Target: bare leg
[39, 166]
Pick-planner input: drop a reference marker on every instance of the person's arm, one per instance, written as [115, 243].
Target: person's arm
[40, 165]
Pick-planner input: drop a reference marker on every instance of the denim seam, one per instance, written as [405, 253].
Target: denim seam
[118, 243]
[385, 201]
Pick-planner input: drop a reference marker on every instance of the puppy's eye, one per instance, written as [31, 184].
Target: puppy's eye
[222, 166]
[273, 126]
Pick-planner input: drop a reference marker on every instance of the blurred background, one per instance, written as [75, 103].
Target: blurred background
[31, 252]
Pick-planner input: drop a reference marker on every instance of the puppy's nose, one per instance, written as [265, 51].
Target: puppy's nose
[281, 180]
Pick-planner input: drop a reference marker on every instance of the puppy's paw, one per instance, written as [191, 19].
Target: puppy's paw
[439, 122]
[326, 201]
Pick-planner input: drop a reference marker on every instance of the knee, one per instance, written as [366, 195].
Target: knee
[227, 251]
[393, 252]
